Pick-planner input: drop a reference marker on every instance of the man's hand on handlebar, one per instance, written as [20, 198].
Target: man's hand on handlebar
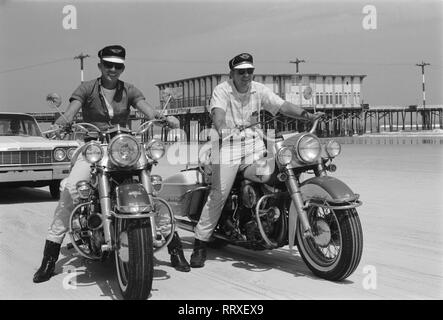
[67, 128]
[172, 122]
[315, 116]
[54, 99]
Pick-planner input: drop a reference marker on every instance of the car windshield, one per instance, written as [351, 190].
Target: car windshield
[18, 125]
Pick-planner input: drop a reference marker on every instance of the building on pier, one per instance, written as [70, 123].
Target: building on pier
[332, 94]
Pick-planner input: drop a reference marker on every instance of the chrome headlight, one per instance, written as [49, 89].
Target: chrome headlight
[333, 148]
[93, 152]
[308, 148]
[156, 182]
[124, 150]
[155, 149]
[70, 153]
[284, 156]
[84, 189]
[59, 154]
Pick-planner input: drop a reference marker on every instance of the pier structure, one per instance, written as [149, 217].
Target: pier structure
[339, 96]
[338, 122]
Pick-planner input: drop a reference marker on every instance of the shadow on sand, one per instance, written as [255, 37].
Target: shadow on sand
[260, 261]
[24, 195]
[81, 272]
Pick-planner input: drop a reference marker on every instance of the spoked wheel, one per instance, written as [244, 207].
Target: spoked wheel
[134, 258]
[336, 248]
[87, 242]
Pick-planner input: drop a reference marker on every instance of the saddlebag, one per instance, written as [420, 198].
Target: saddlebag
[185, 192]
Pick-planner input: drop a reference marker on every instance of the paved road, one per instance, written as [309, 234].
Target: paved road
[402, 258]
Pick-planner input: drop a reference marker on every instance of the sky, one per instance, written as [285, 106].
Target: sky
[175, 39]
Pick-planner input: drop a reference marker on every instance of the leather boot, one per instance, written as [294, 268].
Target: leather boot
[50, 256]
[198, 256]
[178, 260]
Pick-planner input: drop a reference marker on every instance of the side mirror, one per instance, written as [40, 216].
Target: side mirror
[172, 93]
[54, 100]
[169, 94]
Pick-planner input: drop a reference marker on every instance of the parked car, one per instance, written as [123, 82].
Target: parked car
[28, 158]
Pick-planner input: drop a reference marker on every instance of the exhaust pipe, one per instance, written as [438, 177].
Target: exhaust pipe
[186, 225]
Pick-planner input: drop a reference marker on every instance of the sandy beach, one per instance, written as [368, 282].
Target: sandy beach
[400, 186]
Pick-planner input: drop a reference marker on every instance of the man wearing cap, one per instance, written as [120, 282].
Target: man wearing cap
[104, 102]
[233, 105]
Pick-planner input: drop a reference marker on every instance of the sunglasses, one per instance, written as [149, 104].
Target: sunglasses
[243, 71]
[109, 65]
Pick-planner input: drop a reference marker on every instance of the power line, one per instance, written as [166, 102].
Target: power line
[332, 63]
[34, 65]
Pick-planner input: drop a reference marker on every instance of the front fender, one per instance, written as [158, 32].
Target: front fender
[328, 189]
[132, 198]
[324, 191]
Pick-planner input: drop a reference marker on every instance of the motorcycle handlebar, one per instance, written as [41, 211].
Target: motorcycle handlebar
[148, 124]
[314, 125]
[312, 130]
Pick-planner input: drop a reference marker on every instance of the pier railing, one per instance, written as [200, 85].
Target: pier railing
[339, 122]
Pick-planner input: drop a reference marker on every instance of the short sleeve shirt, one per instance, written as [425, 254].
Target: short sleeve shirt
[242, 108]
[94, 109]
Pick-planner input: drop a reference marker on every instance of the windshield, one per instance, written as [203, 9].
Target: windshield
[18, 125]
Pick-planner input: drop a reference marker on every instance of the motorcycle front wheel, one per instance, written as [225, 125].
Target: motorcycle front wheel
[335, 250]
[134, 258]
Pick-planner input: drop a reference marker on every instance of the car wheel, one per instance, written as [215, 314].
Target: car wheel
[54, 188]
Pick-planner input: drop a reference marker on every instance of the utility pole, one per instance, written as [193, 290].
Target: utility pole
[297, 61]
[422, 65]
[81, 57]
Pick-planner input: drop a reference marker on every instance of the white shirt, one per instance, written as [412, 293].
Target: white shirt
[108, 95]
[243, 109]
[240, 107]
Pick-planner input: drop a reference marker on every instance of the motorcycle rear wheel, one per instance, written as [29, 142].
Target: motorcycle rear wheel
[134, 258]
[335, 251]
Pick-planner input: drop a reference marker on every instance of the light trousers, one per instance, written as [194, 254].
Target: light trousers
[68, 199]
[225, 165]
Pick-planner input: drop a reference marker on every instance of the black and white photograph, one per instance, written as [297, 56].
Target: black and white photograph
[221, 154]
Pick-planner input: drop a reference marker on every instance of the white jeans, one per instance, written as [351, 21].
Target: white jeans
[68, 197]
[225, 166]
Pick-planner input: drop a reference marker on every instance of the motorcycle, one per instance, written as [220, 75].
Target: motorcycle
[317, 214]
[119, 210]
